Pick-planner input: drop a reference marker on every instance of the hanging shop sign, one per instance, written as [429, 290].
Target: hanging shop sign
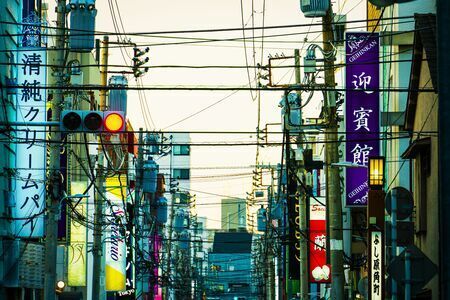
[115, 243]
[319, 270]
[30, 151]
[362, 111]
[376, 277]
[157, 248]
[77, 252]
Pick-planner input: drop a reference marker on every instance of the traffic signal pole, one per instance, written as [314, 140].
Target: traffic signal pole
[54, 190]
[332, 156]
[97, 248]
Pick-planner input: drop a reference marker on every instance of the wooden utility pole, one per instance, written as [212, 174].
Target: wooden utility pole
[332, 156]
[170, 230]
[303, 227]
[97, 248]
[137, 218]
[54, 193]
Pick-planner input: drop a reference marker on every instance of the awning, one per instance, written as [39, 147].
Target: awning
[416, 147]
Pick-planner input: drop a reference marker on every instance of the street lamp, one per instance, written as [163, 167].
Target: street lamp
[375, 227]
[376, 172]
[347, 164]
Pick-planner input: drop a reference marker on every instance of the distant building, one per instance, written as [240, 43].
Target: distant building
[174, 162]
[234, 214]
[229, 267]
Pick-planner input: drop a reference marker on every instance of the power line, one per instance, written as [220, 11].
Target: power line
[221, 88]
[202, 41]
[89, 33]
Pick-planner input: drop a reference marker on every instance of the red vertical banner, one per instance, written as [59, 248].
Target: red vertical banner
[319, 270]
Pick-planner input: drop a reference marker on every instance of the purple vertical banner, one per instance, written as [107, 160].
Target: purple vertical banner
[362, 111]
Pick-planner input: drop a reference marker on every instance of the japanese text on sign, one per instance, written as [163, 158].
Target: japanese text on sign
[376, 261]
[362, 111]
[30, 159]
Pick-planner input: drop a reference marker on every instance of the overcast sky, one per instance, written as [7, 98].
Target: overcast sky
[238, 110]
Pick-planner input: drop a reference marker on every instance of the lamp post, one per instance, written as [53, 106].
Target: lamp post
[347, 221]
[376, 172]
[375, 227]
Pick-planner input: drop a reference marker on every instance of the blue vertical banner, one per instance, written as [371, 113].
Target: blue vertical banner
[362, 111]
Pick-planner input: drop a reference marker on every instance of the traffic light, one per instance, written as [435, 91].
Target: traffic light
[138, 62]
[92, 121]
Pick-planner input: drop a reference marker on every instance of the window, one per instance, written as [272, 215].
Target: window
[181, 173]
[181, 150]
[424, 172]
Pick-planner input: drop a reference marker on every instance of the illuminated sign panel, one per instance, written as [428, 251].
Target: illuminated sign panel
[319, 270]
[376, 265]
[30, 151]
[115, 242]
[76, 269]
[362, 111]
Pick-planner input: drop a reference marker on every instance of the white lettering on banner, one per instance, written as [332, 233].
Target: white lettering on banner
[361, 154]
[320, 242]
[354, 46]
[362, 118]
[31, 153]
[362, 82]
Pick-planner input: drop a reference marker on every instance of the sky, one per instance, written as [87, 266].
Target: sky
[235, 111]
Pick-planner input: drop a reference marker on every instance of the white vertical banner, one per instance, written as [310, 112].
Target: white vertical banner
[31, 148]
[115, 243]
[376, 265]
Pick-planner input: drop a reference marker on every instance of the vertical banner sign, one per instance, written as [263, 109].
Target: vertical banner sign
[362, 111]
[376, 264]
[77, 253]
[319, 271]
[130, 287]
[157, 252]
[116, 249]
[31, 150]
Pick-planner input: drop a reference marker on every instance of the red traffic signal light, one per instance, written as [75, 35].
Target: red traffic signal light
[113, 121]
[92, 121]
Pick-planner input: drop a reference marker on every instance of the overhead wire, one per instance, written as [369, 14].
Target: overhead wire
[208, 30]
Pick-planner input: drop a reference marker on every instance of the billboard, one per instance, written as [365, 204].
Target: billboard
[77, 252]
[115, 242]
[319, 270]
[376, 265]
[30, 150]
[362, 111]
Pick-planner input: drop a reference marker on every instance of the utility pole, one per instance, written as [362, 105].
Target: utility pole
[97, 248]
[304, 284]
[137, 202]
[54, 192]
[332, 156]
[172, 211]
